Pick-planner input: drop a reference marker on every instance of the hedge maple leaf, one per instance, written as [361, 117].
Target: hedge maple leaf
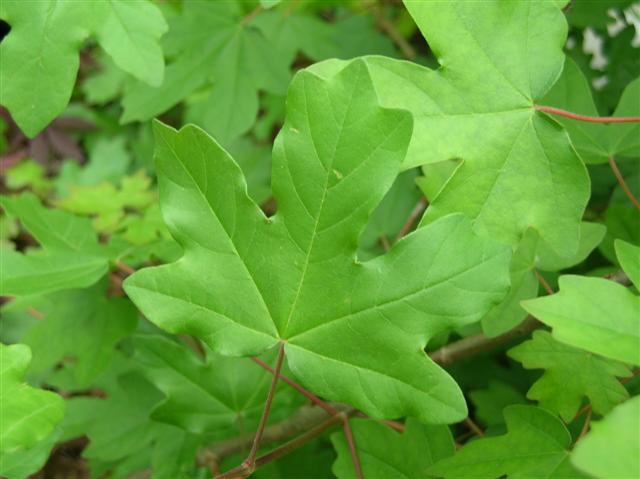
[353, 331]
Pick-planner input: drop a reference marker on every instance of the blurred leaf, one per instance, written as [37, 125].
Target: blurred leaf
[29, 414]
[570, 374]
[70, 256]
[490, 402]
[629, 258]
[28, 174]
[385, 453]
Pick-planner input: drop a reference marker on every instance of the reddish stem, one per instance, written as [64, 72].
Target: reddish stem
[327, 408]
[585, 426]
[473, 427]
[623, 184]
[592, 119]
[308, 394]
[250, 461]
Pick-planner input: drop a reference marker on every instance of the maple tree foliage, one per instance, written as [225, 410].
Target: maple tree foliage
[352, 239]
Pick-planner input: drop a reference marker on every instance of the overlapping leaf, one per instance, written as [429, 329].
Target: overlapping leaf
[235, 62]
[536, 445]
[40, 55]
[519, 169]
[86, 326]
[70, 257]
[354, 331]
[384, 453]
[570, 374]
[28, 415]
[215, 398]
[594, 314]
[595, 142]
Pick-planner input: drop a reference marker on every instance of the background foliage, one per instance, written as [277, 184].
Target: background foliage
[366, 180]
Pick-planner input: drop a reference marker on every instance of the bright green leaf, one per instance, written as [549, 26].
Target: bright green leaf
[28, 415]
[40, 55]
[518, 169]
[611, 447]
[594, 314]
[629, 258]
[247, 282]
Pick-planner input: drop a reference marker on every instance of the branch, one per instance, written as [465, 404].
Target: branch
[623, 184]
[387, 27]
[480, 343]
[592, 119]
[417, 210]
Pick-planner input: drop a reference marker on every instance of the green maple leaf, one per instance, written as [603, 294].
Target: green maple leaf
[82, 326]
[23, 463]
[28, 415]
[70, 257]
[594, 314]
[40, 55]
[629, 258]
[518, 168]
[574, 372]
[211, 398]
[353, 332]
[535, 446]
[385, 453]
[611, 447]
[595, 142]
[234, 63]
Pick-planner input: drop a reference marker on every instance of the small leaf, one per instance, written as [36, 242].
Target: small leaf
[570, 374]
[71, 256]
[594, 314]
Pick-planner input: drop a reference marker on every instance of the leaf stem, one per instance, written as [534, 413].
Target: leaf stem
[622, 183]
[592, 119]
[543, 282]
[585, 426]
[346, 427]
[473, 426]
[249, 464]
[241, 472]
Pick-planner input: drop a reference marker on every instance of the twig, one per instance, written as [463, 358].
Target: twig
[124, 268]
[304, 419]
[623, 184]
[585, 426]
[387, 27]
[479, 343]
[592, 119]
[417, 210]
[544, 283]
[473, 426]
[251, 15]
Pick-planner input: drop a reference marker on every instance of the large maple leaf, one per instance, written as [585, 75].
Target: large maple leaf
[353, 331]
